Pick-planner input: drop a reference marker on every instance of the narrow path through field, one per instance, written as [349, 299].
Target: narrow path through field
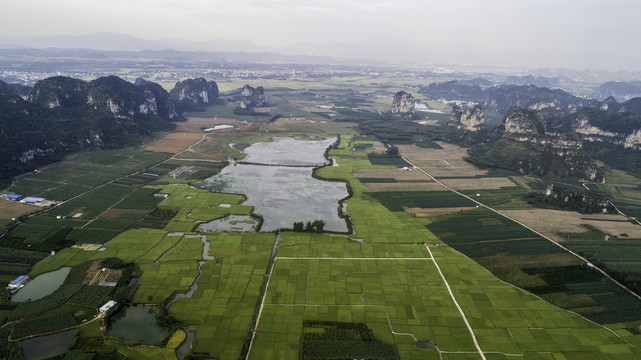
[525, 226]
[447, 285]
[263, 296]
[621, 213]
[348, 258]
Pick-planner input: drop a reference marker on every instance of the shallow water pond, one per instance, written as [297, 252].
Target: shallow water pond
[42, 285]
[230, 223]
[137, 324]
[44, 347]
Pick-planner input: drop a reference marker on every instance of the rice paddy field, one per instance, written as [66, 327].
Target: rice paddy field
[424, 273]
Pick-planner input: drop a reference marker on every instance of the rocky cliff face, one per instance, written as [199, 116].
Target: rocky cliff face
[520, 121]
[470, 120]
[621, 128]
[403, 103]
[193, 92]
[252, 97]
[61, 115]
[502, 98]
[58, 91]
[587, 124]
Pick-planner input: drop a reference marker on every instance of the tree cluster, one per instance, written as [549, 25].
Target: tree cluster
[585, 202]
[315, 226]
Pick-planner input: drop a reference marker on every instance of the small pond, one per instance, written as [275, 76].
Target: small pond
[230, 223]
[42, 285]
[137, 324]
[44, 347]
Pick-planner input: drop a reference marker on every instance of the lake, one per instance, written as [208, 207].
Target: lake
[284, 191]
[283, 195]
[289, 152]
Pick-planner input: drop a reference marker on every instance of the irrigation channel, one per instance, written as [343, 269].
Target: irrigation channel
[185, 347]
[260, 304]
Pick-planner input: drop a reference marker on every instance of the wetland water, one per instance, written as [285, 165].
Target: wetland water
[288, 152]
[284, 191]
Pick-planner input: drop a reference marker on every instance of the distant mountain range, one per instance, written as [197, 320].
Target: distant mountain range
[371, 51]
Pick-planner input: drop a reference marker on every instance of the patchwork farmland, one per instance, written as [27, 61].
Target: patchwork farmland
[424, 273]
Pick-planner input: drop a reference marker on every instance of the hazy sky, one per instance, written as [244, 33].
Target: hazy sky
[571, 33]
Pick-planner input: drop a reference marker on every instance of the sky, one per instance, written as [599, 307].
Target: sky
[594, 34]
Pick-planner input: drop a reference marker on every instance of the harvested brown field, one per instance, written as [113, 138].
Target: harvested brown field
[405, 186]
[552, 222]
[114, 213]
[87, 247]
[426, 213]
[516, 262]
[397, 174]
[377, 148]
[208, 149]
[479, 184]
[95, 274]
[265, 109]
[10, 209]
[446, 162]
[174, 142]
[186, 134]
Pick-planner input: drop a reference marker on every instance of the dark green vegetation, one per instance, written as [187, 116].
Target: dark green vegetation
[43, 324]
[521, 257]
[63, 115]
[528, 158]
[387, 159]
[395, 201]
[105, 211]
[335, 340]
[502, 97]
[315, 226]
[617, 256]
[585, 202]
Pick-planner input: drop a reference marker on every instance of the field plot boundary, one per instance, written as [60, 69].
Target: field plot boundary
[542, 299]
[447, 285]
[527, 227]
[350, 258]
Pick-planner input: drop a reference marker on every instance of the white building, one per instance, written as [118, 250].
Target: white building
[106, 307]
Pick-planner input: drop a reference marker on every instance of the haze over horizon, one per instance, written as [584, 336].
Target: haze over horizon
[532, 34]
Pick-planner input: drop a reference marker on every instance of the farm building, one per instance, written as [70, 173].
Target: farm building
[14, 197]
[106, 307]
[33, 200]
[18, 282]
